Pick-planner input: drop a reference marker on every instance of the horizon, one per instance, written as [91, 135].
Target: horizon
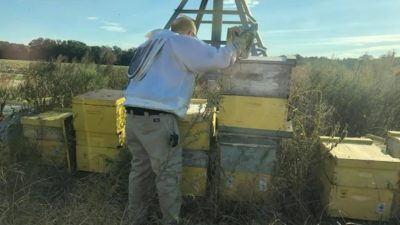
[333, 28]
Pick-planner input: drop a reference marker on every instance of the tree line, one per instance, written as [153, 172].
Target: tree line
[68, 50]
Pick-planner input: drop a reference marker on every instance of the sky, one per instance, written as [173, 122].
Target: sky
[330, 28]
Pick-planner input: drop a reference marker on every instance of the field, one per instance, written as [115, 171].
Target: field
[351, 97]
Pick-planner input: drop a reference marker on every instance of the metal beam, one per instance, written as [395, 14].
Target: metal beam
[195, 11]
[223, 22]
[176, 14]
[242, 15]
[217, 23]
[200, 13]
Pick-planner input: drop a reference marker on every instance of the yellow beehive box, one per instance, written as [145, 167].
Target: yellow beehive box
[244, 186]
[100, 139]
[358, 163]
[393, 143]
[99, 111]
[51, 125]
[195, 128]
[357, 203]
[51, 152]
[194, 181]
[253, 112]
[94, 159]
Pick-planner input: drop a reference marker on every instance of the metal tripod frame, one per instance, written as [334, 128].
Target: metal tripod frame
[246, 20]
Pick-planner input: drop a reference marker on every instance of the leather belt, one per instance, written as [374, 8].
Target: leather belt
[143, 111]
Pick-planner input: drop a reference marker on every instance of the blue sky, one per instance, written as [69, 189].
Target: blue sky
[332, 28]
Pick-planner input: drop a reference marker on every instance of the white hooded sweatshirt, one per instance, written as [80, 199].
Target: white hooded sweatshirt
[169, 78]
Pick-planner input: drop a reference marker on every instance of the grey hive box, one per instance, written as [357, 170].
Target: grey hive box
[258, 76]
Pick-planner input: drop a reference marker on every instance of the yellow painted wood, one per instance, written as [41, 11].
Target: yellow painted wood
[363, 177]
[253, 112]
[94, 159]
[360, 165]
[51, 152]
[194, 181]
[244, 186]
[195, 128]
[100, 139]
[357, 203]
[47, 119]
[195, 136]
[43, 132]
[100, 112]
[103, 97]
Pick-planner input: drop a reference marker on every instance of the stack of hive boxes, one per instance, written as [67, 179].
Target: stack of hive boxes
[359, 180]
[49, 132]
[252, 119]
[99, 122]
[196, 130]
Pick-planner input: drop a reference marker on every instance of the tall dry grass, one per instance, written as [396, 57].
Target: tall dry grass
[328, 97]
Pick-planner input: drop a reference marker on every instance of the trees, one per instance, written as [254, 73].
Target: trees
[69, 50]
[13, 51]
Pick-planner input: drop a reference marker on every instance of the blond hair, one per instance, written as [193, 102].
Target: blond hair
[183, 25]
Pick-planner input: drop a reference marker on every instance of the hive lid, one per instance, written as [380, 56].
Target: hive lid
[48, 119]
[393, 134]
[361, 156]
[269, 60]
[349, 140]
[104, 97]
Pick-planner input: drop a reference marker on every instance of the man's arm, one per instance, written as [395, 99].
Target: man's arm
[200, 57]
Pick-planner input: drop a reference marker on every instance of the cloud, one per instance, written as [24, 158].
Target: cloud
[112, 27]
[361, 40]
[374, 50]
[92, 18]
[111, 23]
[287, 31]
[232, 3]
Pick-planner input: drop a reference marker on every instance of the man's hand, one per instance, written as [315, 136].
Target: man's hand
[242, 39]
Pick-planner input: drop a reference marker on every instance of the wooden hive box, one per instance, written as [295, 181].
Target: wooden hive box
[196, 128]
[194, 172]
[263, 113]
[95, 159]
[100, 111]
[359, 180]
[358, 162]
[246, 168]
[50, 133]
[258, 76]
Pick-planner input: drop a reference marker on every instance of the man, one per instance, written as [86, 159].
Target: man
[162, 78]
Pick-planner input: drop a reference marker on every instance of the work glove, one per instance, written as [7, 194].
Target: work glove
[242, 39]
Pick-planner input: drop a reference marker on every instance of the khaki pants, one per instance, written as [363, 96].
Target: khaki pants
[154, 161]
